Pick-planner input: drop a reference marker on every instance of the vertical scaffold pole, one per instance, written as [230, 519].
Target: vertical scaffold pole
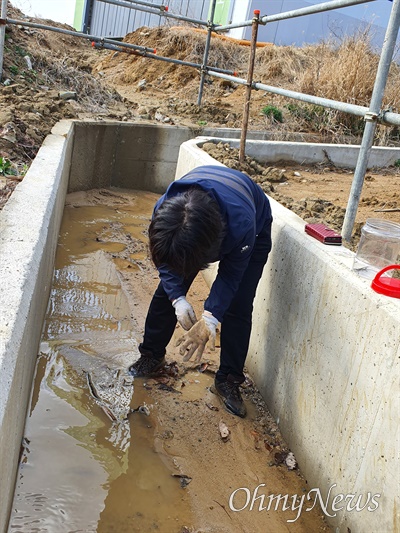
[371, 120]
[206, 51]
[246, 110]
[3, 16]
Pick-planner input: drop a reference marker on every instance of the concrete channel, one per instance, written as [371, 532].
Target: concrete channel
[329, 376]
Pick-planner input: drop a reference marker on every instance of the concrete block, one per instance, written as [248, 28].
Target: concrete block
[340, 155]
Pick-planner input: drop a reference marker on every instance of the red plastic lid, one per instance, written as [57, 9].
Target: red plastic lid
[386, 285]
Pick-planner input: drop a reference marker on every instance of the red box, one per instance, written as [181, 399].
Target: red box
[323, 234]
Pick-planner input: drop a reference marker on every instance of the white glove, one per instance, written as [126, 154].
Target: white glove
[196, 338]
[184, 313]
[211, 323]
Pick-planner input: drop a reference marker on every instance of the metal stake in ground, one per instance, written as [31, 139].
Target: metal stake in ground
[206, 50]
[246, 109]
[3, 16]
[371, 119]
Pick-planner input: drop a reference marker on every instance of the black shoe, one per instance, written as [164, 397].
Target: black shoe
[229, 392]
[146, 367]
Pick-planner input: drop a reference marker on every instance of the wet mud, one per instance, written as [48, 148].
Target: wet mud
[89, 464]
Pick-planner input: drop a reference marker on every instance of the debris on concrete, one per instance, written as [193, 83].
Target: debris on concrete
[285, 458]
[143, 409]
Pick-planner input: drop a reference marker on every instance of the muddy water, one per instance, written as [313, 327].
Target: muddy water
[86, 466]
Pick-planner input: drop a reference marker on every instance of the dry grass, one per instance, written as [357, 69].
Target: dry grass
[344, 72]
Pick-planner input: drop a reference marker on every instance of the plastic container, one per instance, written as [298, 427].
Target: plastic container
[388, 286]
[379, 247]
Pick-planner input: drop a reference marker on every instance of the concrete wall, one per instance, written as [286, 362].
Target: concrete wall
[29, 226]
[304, 368]
[325, 354]
[118, 154]
[141, 156]
[340, 155]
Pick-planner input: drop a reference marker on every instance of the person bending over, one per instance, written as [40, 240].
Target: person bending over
[213, 213]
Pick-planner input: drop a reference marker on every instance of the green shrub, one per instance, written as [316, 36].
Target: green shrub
[6, 168]
[272, 111]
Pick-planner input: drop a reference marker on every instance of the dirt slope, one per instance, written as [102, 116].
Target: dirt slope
[38, 65]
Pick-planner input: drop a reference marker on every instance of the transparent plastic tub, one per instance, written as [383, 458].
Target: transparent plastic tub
[378, 248]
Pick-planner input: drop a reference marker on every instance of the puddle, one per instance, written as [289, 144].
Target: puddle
[81, 469]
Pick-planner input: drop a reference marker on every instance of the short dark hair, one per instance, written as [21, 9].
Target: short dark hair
[186, 232]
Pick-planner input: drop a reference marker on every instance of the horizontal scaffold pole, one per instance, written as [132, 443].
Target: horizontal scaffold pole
[316, 8]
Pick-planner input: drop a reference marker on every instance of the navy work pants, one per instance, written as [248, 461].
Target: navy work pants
[236, 325]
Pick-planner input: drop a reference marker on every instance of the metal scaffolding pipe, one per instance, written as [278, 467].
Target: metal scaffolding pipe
[345, 107]
[148, 4]
[151, 55]
[206, 52]
[78, 34]
[160, 12]
[387, 117]
[3, 15]
[392, 119]
[371, 120]
[317, 8]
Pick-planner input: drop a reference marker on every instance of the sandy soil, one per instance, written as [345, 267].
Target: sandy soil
[190, 416]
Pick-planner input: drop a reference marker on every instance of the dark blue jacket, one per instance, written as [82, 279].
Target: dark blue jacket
[245, 210]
